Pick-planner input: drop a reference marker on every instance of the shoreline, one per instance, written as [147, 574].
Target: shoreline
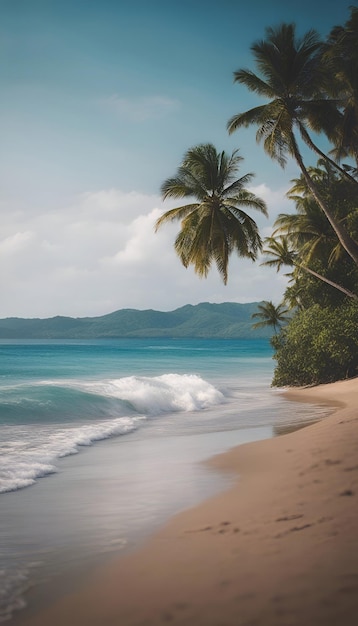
[280, 547]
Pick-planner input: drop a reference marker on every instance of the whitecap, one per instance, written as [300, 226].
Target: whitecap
[160, 394]
[33, 453]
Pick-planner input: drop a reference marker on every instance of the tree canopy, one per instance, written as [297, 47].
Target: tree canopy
[293, 77]
[214, 224]
[311, 89]
[310, 110]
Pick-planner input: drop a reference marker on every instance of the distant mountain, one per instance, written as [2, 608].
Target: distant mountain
[226, 320]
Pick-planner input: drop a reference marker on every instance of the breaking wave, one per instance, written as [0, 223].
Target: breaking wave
[46, 421]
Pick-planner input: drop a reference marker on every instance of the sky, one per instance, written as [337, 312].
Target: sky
[99, 101]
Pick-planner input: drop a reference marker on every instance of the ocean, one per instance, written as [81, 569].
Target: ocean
[102, 441]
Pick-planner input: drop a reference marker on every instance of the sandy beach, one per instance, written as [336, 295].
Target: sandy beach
[278, 548]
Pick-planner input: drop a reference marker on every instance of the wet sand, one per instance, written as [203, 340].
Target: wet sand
[278, 548]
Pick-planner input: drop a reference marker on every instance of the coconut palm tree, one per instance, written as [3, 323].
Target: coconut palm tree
[340, 53]
[214, 224]
[270, 315]
[294, 296]
[308, 229]
[309, 233]
[345, 135]
[291, 77]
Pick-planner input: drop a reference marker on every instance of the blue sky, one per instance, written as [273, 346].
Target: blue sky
[100, 99]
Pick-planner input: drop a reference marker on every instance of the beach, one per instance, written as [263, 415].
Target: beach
[279, 547]
[103, 442]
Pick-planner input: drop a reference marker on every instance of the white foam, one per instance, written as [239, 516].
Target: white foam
[32, 453]
[29, 452]
[13, 585]
[160, 394]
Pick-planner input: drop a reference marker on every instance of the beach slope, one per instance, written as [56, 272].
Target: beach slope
[279, 548]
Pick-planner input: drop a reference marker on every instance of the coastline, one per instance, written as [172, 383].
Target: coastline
[279, 547]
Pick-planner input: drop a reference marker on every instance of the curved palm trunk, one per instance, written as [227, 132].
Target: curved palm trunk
[347, 292]
[345, 239]
[306, 137]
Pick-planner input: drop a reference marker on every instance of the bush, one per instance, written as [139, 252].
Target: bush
[319, 345]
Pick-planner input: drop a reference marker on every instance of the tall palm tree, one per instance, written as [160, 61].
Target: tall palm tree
[292, 80]
[341, 55]
[270, 315]
[214, 225]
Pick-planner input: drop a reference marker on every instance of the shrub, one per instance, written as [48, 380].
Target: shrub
[319, 345]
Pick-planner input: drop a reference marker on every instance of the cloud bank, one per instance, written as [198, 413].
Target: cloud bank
[101, 253]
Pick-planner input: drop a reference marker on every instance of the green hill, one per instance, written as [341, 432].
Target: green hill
[226, 320]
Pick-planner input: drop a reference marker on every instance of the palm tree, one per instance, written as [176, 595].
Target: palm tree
[340, 53]
[292, 79]
[345, 134]
[308, 229]
[309, 232]
[279, 254]
[306, 238]
[270, 315]
[214, 225]
[294, 296]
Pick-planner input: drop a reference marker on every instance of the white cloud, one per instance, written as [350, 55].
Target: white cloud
[101, 253]
[139, 242]
[276, 202]
[140, 109]
[12, 244]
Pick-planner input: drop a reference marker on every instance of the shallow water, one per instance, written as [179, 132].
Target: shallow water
[102, 441]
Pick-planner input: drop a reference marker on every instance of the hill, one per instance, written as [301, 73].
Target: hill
[226, 320]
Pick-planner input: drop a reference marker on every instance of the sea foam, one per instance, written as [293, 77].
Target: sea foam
[159, 394]
[28, 452]
[33, 453]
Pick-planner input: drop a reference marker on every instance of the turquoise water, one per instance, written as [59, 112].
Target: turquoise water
[101, 441]
[58, 396]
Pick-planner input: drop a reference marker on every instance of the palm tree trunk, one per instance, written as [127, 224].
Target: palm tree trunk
[345, 239]
[307, 139]
[347, 292]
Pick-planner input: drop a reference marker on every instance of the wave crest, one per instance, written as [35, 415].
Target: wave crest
[160, 394]
[28, 452]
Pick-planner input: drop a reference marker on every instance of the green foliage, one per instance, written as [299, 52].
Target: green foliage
[314, 291]
[270, 315]
[319, 345]
[340, 56]
[215, 224]
[293, 78]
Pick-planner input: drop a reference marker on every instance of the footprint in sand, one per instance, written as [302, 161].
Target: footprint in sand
[288, 518]
[218, 530]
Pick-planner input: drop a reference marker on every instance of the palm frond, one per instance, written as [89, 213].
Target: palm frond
[248, 199]
[216, 225]
[247, 118]
[175, 214]
[254, 83]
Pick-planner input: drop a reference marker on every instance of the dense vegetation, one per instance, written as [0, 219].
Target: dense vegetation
[320, 342]
[310, 87]
[319, 241]
[320, 345]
